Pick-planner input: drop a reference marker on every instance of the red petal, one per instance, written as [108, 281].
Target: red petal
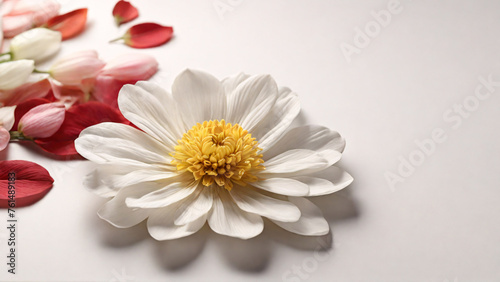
[78, 118]
[106, 89]
[123, 12]
[69, 24]
[39, 89]
[24, 107]
[31, 181]
[148, 35]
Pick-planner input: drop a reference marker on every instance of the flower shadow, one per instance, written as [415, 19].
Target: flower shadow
[176, 254]
[252, 255]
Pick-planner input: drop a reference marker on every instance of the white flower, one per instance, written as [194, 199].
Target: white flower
[35, 44]
[15, 73]
[216, 152]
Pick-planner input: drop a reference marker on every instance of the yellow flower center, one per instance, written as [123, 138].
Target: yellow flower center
[219, 152]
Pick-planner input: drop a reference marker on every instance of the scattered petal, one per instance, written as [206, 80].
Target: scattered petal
[73, 68]
[4, 138]
[14, 74]
[35, 44]
[131, 67]
[69, 24]
[25, 107]
[25, 92]
[42, 121]
[106, 89]
[31, 181]
[147, 35]
[124, 12]
[14, 25]
[78, 118]
[7, 117]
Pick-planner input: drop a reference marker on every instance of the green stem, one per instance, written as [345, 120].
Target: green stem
[39, 71]
[17, 135]
[117, 39]
[5, 54]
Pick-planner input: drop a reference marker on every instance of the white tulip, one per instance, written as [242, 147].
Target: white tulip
[35, 44]
[15, 73]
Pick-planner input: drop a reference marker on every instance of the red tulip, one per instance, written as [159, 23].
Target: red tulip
[124, 12]
[147, 35]
[69, 24]
[29, 181]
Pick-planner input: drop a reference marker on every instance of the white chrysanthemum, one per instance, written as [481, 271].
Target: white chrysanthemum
[212, 151]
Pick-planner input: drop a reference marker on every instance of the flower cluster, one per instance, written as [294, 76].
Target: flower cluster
[79, 89]
[72, 80]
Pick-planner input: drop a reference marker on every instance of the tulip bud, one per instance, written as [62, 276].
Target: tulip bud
[131, 67]
[15, 73]
[6, 123]
[42, 121]
[7, 117]
[73, 68]
[4, 138]
[36, 44]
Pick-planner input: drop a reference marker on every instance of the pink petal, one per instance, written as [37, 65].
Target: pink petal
[45, 11]
[27, 91]
[4, 138]
[131, 67]
[7, 6]
[14, 25]
[42, 121]
[68, 94]
[75, 67]
[30, 181]
[24, 107]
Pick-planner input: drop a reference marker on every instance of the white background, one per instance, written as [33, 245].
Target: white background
[440, 224]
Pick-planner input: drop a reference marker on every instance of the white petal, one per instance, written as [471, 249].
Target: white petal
[93, 182]
[200, 96]
[230, 83]
[123, 179]
[119, 214]
[165, 196]
[311, 222]
[227, 219]
[320, 186]
[161, 224]
[35, 44]
[329, 144]
[252, 201]
[284, 111]
[14, 74]
[7, 117]
[293, 162]
[122, 144]
[194, 206]
[153, 110]
[283, 186]
[251, 101]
